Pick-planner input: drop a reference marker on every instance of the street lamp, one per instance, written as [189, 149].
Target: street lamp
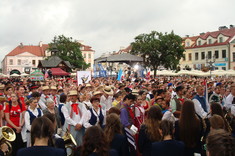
[210, 62]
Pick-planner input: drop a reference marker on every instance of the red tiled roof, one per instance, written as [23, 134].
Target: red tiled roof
[35, 50]
[230, 33]
[126, 50]
[193, 38]
[86, 48]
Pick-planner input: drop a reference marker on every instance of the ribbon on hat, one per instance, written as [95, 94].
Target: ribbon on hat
[75, 108]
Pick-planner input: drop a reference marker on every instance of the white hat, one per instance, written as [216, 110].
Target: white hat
[108, 90]
[73, 92]
[53, 88]
[45, 88]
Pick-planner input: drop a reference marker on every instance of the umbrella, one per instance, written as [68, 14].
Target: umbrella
[14, 75]
[24, 74]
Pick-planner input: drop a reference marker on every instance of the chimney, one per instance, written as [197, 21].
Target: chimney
[21, 45]
[40, 44]
[223, 27]
[202, 33]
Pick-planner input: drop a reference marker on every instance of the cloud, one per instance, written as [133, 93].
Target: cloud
[106, 25]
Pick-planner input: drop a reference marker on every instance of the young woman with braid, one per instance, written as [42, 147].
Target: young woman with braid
[168, 146]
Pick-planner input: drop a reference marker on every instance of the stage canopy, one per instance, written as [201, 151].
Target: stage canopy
[125, 57]
[58, 72]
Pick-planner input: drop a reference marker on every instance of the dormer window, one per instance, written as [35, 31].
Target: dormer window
[81, 48]
[209, 41]
[221, 40]
[199, 43]
[187, 44]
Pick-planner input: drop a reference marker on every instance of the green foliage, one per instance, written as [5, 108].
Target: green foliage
[158, 49]
[68, 50]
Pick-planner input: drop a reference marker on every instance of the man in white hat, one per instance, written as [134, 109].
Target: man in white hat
[54, 96]
[107, 98]
[44, 97]
[77, 113]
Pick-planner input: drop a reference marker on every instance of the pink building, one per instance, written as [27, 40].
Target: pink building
[24, 58]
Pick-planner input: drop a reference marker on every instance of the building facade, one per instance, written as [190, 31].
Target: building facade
[208, 47]
[23, 58]
[88, 55]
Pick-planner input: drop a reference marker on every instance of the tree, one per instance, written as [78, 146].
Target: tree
[158, 49]
[68, 50]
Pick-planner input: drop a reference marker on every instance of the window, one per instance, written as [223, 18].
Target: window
[33, 62]
[233, 56]
[183, 57]
[203, 55]
[209, 41]
[216, 54]
[11, 62]
[220, 39]
[82, 48]
[223, 68]
[196, 56]
[209, 54]
[19, 62]
[187, 44]
[84, 55]
[189, 56]
[223, 53]
[199, 43]
[89, 56]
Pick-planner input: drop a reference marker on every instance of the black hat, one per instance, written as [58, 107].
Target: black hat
[179, 88]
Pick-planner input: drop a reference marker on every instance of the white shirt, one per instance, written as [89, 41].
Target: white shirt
[42, 101]
[27, 117]
[87, 117]
[228, 103]
[199, 110]
[88, 103]
[67, 117]
[56, 100]
[106, 102]
[76, 118]
[139, 111]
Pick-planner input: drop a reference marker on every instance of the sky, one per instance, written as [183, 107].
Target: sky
[106, 25]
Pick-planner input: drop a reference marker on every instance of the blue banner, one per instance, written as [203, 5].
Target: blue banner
[94, 68]
[119, 75]
[102, 72]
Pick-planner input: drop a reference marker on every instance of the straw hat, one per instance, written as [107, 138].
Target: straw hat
[88, 85]
[53, 88]
[2, 86]
[7, 87]
[108, 90]
[97, 92]
[73, 92]
[45, 88]
[135, 92]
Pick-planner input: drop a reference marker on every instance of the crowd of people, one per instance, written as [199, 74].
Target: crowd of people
[165, 116]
